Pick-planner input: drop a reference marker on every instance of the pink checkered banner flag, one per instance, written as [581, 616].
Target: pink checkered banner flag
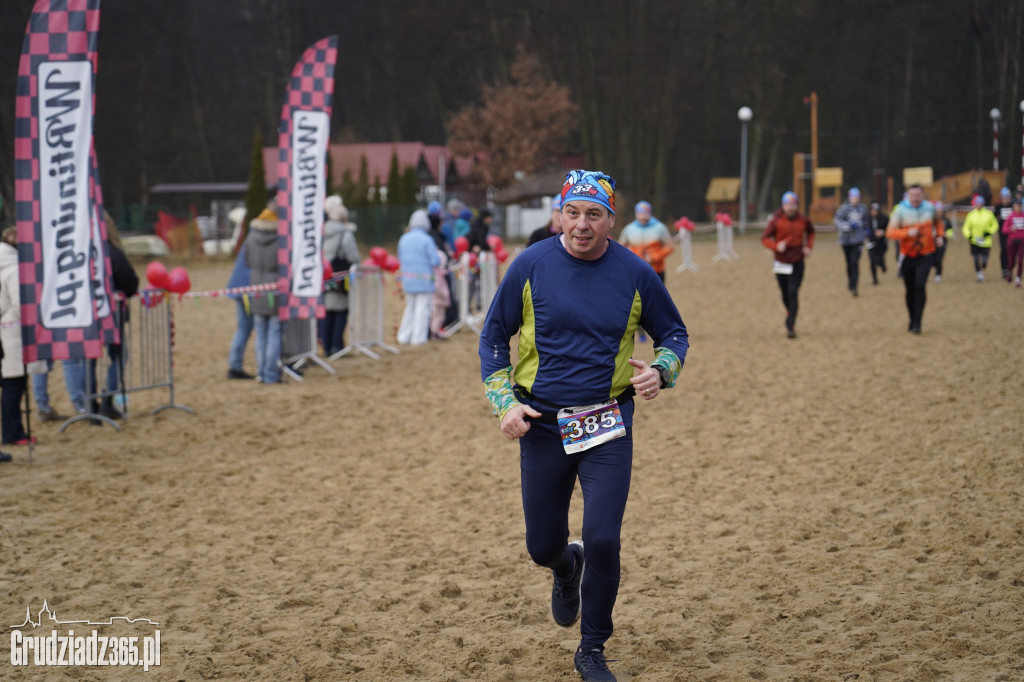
[64, 265]
[304, 134]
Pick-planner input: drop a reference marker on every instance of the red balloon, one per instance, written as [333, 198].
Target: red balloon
[156, 275]
[685, 223]
[494, 241]
[391, 263]
[178, 281]
[368, 263]
[378, 255]
[501, 254]
[473, 259]
[328, 270]
[461, 245]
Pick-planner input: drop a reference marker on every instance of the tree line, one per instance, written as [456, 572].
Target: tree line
[653, 85]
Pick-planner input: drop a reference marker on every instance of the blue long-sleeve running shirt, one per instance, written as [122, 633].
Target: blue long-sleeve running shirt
[576, 320]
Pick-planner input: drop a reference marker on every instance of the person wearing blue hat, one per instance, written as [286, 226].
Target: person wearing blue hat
[1002, 212]
[462, 226]
[912, 222]
[448, 219]
[554, 225]
[575, 300]
[434, 215]
[648, 238]
[851, 221]
[790, 237]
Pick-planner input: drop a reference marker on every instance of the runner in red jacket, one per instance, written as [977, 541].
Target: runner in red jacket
[790, 236]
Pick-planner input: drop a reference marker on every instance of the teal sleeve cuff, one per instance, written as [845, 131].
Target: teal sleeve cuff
[668, 360]
[498, 388]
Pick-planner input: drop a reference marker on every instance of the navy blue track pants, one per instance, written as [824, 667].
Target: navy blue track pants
[548, 478]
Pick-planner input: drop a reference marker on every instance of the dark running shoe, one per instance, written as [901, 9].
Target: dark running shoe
[5, 457]
[238, 374]
[111, 412]
[50, 415]
[565, 592]
[592, 666]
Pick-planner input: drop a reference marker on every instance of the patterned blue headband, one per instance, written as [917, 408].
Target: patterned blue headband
[595, 186]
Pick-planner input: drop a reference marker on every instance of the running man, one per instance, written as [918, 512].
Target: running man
[940, 249]
[1002, 212]
[648, 238]
[852, 225]
[912, 222]
[790, 236]
[576, 300]
[877, 222]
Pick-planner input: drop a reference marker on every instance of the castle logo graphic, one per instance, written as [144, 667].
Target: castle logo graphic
[62, 647]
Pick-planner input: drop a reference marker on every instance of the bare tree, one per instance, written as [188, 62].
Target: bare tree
[519, 124]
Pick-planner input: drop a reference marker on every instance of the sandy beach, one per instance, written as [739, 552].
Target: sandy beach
[843, 506]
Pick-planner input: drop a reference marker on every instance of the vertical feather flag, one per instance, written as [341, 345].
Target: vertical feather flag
[64, 265]
[304, 134]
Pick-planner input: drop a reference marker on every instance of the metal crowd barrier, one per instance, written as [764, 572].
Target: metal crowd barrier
[486, 283]
[686, 240]
[147, 357]
[298, 346]
[365, 313]
[725, 251]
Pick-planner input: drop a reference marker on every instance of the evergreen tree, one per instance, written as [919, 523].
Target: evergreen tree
[349, 191]
[376, 191]
[329, 167]
[410, 186]
[395, 194]
[363, 185]
[256, 195]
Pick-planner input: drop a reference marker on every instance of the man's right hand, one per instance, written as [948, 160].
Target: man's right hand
[514, 423]
[780, 247]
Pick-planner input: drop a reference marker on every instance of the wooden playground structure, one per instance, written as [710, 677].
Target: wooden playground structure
[826, 183]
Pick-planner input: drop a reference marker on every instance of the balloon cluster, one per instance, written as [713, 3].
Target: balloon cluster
[379, 257]
[493, 241]
[685, 223]
[176, 281]
[723, 218]
[498, 247]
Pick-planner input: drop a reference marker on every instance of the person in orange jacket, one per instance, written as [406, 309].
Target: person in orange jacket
[913, 224]
[648, 238]
[790, 236]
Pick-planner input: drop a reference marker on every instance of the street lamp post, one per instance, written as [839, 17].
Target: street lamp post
[994, 115]
[745, 114]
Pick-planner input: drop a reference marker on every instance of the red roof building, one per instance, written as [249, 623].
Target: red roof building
[348, 157]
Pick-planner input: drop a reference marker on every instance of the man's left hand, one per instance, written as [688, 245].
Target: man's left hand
[647, 383]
